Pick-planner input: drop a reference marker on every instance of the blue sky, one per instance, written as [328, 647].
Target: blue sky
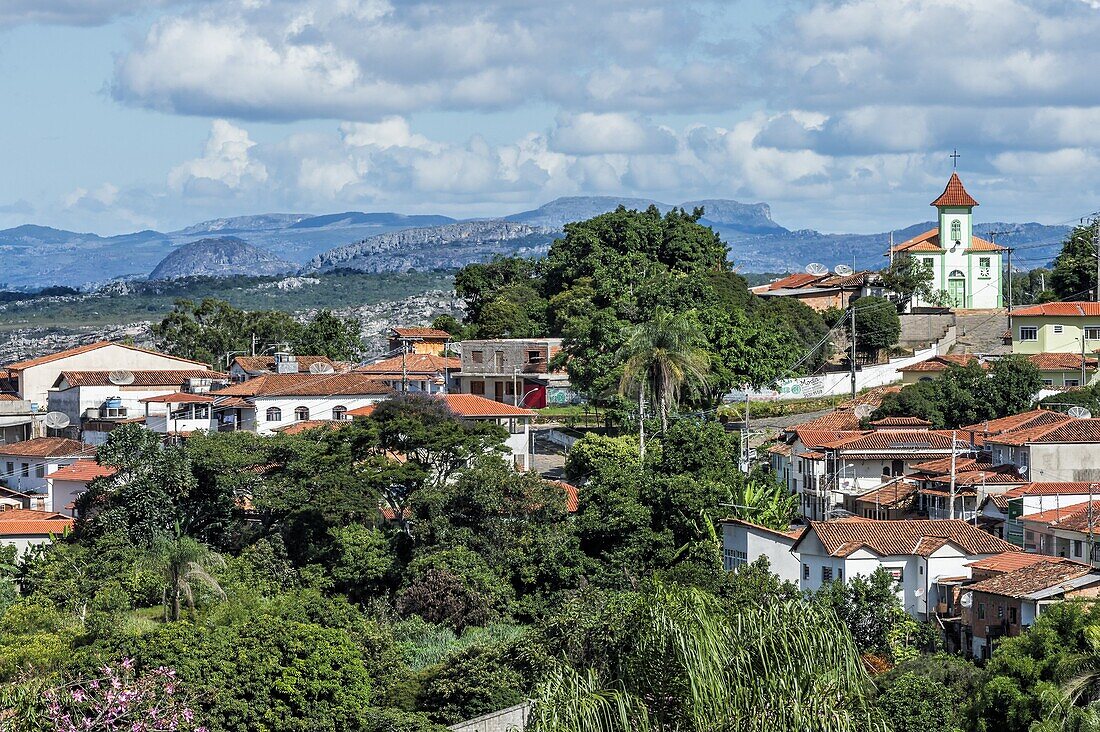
[121, 115]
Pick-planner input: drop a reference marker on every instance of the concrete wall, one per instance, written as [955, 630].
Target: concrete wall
[743, 544]
[512, 719]
[319, 408]
[924, 329]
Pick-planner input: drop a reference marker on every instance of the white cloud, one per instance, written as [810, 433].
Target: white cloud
[98, 199]
[225, 162]
[588, 133]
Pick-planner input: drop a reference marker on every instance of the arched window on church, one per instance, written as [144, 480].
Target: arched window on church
[956, 230]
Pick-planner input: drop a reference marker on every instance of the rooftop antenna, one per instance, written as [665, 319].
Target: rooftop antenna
[121, 377]
[817, 268]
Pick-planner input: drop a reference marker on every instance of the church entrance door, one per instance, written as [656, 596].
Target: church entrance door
[956, 289]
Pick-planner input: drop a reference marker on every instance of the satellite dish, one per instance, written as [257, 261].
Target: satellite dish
[1079, 413]
[1022, 470]
[967, 599]
[321, 368]
[817, 268]
[863, 411]
[57, 420]
[121, 377]
[843, 270]
[919, 592]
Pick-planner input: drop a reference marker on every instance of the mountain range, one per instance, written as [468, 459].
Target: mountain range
[38, 256]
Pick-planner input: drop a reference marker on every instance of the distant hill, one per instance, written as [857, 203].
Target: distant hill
[437, 247]
[36, 256]
[349, 218]
[219, 257]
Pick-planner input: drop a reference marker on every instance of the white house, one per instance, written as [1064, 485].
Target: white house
[33, 378]
[265, 403]
[244, 368]
[180, 413]
[24, 528]
[965, 267]
[66, 484]
[95, 401]
[917, 552]
[25, 466]
[744, 542]
[1064, 450]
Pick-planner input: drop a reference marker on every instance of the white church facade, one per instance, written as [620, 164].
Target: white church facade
[965, 268]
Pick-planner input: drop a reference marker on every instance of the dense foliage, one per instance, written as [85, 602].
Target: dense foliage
[966, 395]
[212, 330]
[1073, 276]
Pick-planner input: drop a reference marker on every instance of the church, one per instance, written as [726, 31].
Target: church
[965, 268]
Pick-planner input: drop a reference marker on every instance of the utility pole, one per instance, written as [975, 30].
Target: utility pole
[853, 357]
[954, 444]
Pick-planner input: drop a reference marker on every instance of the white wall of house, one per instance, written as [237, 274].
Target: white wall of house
[743, 544]
[318, 407]
[77, 400]
[62, 493]
[23, 542]
[35, 382]
[30, 474]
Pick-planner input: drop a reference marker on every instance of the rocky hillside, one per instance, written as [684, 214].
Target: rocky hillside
[437, 247]
[219, 257]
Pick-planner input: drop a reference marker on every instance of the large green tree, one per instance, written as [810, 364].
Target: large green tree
[1074, 273]
[877, 324]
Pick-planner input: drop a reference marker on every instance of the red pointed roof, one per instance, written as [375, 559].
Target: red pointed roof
[954, 194]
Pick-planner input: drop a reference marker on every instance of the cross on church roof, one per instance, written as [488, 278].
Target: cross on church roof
[954, 159]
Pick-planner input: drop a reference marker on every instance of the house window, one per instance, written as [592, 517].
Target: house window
[826, 574]
[929, 263]
[981, 611]
[1071, 382]
[1092, 333]
[10, 469]
[840, 574]
[534, 357]
[339, 413]
[40, 471]
[477, 356]
[274, 414]
[1029, 333]
[498, 361]
[1076, 548]
[1057, 328]
[25, 470]
[477, 387]
[805, 571]
[1012, 615]
[1000, 611]
[898, 573]
[202, 411]
[956, 230]
[1048, 382]
[301, 413]
[983, 261]
[733, 558]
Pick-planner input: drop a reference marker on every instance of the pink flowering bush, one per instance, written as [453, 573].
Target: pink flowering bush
[121, 700]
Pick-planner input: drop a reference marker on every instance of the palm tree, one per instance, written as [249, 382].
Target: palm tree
[185, 564]
[661, 357]
[683, 662]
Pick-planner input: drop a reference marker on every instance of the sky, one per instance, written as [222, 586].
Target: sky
[119, 115]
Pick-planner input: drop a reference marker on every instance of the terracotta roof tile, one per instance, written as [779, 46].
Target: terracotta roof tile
[1073, 488]
[929, 242]
[941, 363]
[1010, 561]
[472, 405]
[907, 536]
[179, 397]
[839, 419]
[45, 447]
[312, 424]
[901, 422]
[1067, 309]
[895, 494]
[571, 499]
[1074, 431]
[414, 363]
[795, 281]
[1033, 418]
[166, 377]
[29, 522]
[421, 333]
[1059, 361]
[21, 365]
[780, 449]
[1070, 518]
[954, 194]
[817, 437]
[323, 385]
[256, 364]
[894, 440]
[362, 411]
[1032, 578]
[83, 471]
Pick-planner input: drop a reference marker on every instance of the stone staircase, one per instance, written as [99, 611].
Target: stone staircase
[981, 331]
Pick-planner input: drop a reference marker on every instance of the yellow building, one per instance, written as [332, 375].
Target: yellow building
[1057, 327]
